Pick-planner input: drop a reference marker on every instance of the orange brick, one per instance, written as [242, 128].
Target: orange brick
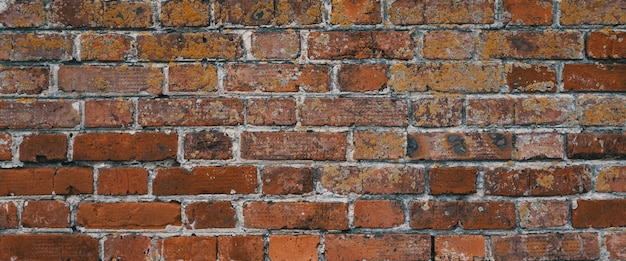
[362, 77]
[298, 247]
[205, 180]
[188, 248]
[122, 181]
[127, 248]
[377, 247]
[189, 46]
[527, 12]
[608, 12]
[611, 179]
[459, 247]
[371, 145]
[602, 110]
[277, 78]
[607, 45]
[5, 147]
[453, 77]
[439, 111]
[220, 214]
[192, 78]
[104, 47]
[138, 215]
[360, 45]
[43, 147]
[448, 45]
[531, 45]
[372, 180]
[452, 180]
[240, 247]
[186, 13]
[349, 12]
[378, 213]
[412, 12]
[296, 215]
[599, 213]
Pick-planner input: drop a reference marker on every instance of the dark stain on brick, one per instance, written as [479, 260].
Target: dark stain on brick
[412, 146]
[499, 140]
[458, 144]
[522, 44]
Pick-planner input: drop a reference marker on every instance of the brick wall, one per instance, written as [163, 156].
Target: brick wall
[313, 130]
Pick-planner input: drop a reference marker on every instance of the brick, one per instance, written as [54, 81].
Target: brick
[277, 78]
[139, 215]
[412, 12]
[355, 111]
[5, 147]
[48, 246]
[371, 145]
[190, 112]
[43, 147]
[490, 112]
[296, 215]
[210, 145]
[107, 79]
[606, 12]
[93, 13]
[350, 12]
[602, 110]
[616, 246]
[526, 12]
[611, 179]
[372, 180]
[189, 46]
[459, 146]
[293, 146]
[45, 214]
[287, 180]
[109, 113]
[44, 181]
[36, 47]
[186, 13]
[8, 216]
[531, 77]
[192, 78]
[271, 111]
[531, 45]
[205, 180]
[452, 77]
[606, 45]
[188, 248]
[246, 12]
[459, 247]
[362, 77]
[299, 247]
[145, 146]
[122, 181]
[24, 80]
[378, 213]
[276, 45]
[22, 14]
[73, 181]
[594, 77]
[202, 215]
[296, 13]
[596, 146]
[537, 110]
[567, 246]
[552, 181]
[452, 180]
[543, 214]
[439, 111]
[529, 146]
[127, 247]
[377, 247]
[360, 45]
[104, 47]
[240, 248]
[453, 45]
[599, 213]
[470, 215]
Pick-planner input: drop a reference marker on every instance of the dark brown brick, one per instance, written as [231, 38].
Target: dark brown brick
[202, 215]
[531, 77]
[551, 181]
[93, 13]
[43, 147]
[599, 213]
[211, 145]
[596, 146]
[594, 77]
[8, 216]
[287, 180]
[607, 45]
[470, 215]
[5, 147]
[122, 181]
[49, 246]
[22, 14]
[452, 180]
[46, 214]
[459, 146]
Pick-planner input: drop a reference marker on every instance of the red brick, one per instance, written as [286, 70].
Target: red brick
[609, 12]
[440, 111]
[92, 13]
[372, 180]
[469, 215]
[616, 246]
[377, 247]
[452, 180]
[48, 246]
[210, 215]
[297, 247]
[127, 248]
[145, 146]
[192, 78]
[378, 213]
[276, 45]
[24, 80]
[611, 179]
[447, 45]
[21, 14]
[104, 47]
[489, 112]
[459, 146]
[277, 78]
[594, 77]
[271, 111]
[240, 248]
[531, 77]
[188, 248]
[287, 180]
[246, 12]
[122, 181]
[189, 46]
[293, 146]
[567, 246]
[505, 182]
[543, 214]
[531, 45]
[606, 45]
[349, 12]
[73, 181]
[551, 181]
[43, 147]
[205, 180]
[539, 146]
[531, 110]
[296, 215]
[413, 12]
[355, 111]
[371, 145]
[44, 181]
[211, 145]
[8, 216]
[39, 114]
[107, 79]
[108, 113]
[140, 215]
[527, 12]
[361, 45]
[5, 147]
[596, 146]
[190, 112]
[596, 110]
[35, 47]
[455, 77]
[599, 213]
[186, 13]
[295, 13]
[362, 77]
[45, 214]
[459, 247]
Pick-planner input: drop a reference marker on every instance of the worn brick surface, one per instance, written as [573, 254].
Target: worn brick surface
[143, 215]
[525, 12]
[277, 78]
[360, 45]
[5, 147]
[51, 246]
[8, 216]
[39, 114]
[594, 77]
[599, 213]
[531, 77]
[372, 180]
[592, 12]
[377, 247]
[611, 179]
[354, 111]
[43, 147]
[127, 247]
[568, 246]
[452, 77]
[189, 112]
[104, 47]
[531, 45]
[469, 215]
[596, 146]
[106, 79]
[210, 145]
[287, 180]
[542, 214]
[122, 181]
[218, 214]
[205, 180]
[275, 45]
[451, 45]
[297, 215]
[411, 12]
[144, 146]
[24, 80]
[293, 146]
[348, 12]
[192, 78]
[45, 214]
[459, 146]
[538, 182]
[108, 113]
[455, 247]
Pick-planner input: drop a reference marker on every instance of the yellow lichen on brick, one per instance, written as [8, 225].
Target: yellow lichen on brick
[611, 179]
[185, 13]
[127, 14]
[375, 145]
[600, 110]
